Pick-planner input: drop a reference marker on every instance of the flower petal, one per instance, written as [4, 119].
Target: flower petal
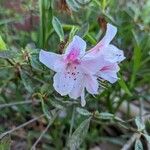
[110, 33]
[91, 65]
[63, 84]
[51, 60]
[109, 76]
[76, 48]
[109, 72]
[91, 84]
[113, 54]
[77, 87]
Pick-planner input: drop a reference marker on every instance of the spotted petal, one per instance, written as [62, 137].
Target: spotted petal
[63, 84]
[76, 48]
[113, 54]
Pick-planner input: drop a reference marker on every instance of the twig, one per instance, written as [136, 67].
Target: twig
[17, 103]
[45, 130]
[21, 126]
[42, 134]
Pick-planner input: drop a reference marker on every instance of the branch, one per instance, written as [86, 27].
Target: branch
[21, 126]
[42, 134]
[17, 103]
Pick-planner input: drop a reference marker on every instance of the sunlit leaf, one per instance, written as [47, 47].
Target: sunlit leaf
[2, 45]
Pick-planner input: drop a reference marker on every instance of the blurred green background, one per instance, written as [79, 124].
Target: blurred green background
[119, 113]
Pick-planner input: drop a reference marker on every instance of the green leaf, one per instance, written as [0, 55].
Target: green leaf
[72, 32]
[46, 88]
[47, 113]
[26, 79]
[34, 60]
[58, 28]
[79, 134]
[136, 64]
[2, 45]
[124, 86]
[83, 111]
[104, 115]
[73, 5]
[57, 104]
[138, 145]
[140, 125]
[83, 30]
[84, 2]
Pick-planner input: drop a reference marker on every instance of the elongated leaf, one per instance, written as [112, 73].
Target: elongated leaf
[136, 63]
[124, 86]
[73, 5]
[56, 104]
[58, 28]
[34, 60]
[2, 45]
[79, 134]
[138, 145]
[83, 111]
[72, 32]
[26, 79]
[104, 115]
[48, 114]
[139, 124]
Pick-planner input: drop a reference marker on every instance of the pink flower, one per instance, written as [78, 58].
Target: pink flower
[77, 70]
[74, 71]
[110, 55]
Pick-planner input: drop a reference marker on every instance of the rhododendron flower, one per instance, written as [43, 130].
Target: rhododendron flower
[110, 55]
[77, 70]
[74, 71]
